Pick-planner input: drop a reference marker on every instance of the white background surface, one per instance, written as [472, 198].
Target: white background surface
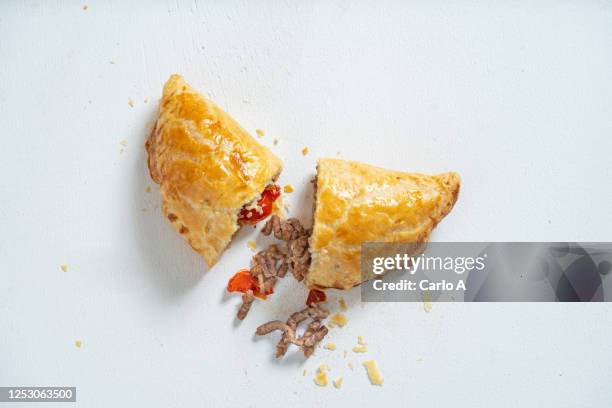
[515, 96]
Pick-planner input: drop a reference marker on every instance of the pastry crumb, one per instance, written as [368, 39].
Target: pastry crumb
[320, 378]
[305, 151]
[361, 341]
[85, 7]
[64, 267]
[275, 142]
[330, 346]
[131, 102]
[78, 343]
[427, 305]
[338, 382]
[374, 374]
[342, 303]
[252, 245]
[338, 319]
[260, 132]
[123, 142]
[360, 349]
[148, 189]
[288, 188]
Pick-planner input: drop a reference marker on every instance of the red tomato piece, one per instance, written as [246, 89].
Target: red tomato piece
[265, 203]
[315, 296]
[243, 281]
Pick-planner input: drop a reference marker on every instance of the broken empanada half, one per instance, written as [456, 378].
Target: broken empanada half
[358, 203]
[213, 175]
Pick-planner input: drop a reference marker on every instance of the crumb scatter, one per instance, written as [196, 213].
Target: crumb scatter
[338, 319]
[288, 188]
[330, 346]
[320, 378]
[360, 349]
[64, 267]
[373, 372]
[260, 132]
[78, 343]
[305, 151]
[427, 305]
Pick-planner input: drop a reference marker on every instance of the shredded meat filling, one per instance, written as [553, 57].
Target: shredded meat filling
[295, 237]
[247, 301]
[275, 261]
[314, 333]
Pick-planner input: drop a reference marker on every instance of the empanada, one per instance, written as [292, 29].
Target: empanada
[212, 174]
[357, 203]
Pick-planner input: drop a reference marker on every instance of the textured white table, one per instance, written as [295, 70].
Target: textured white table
[515, 96]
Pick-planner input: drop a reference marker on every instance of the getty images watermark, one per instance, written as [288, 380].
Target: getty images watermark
[487, 272]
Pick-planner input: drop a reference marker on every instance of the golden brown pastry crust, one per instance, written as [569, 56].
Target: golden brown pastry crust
[358, 203]
[207, 167]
